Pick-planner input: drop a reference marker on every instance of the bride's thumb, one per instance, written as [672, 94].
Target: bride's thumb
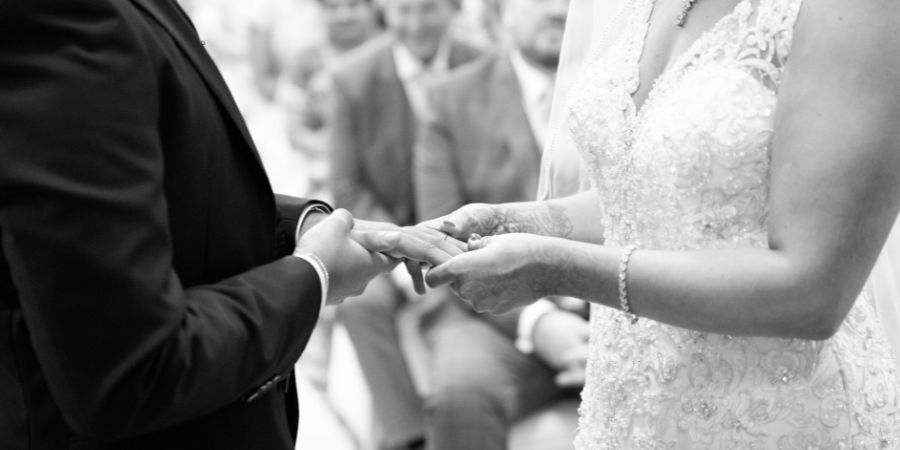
[441, 274]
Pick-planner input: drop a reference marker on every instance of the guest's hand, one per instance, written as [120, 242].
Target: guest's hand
[560, 339]
[573, 376]
[350, 265]
[503, 272]
[478, 218]
[416, 246]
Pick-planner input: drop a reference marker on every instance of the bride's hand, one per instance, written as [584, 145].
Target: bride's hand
[477, 218]
[504, 272]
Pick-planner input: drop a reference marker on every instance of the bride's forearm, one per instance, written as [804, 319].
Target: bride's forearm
[576, 218]
[746, 291]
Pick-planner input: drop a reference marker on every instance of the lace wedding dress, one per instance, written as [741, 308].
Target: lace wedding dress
[688, 171]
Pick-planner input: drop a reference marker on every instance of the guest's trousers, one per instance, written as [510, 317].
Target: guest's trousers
[481, 383]
[370, 320]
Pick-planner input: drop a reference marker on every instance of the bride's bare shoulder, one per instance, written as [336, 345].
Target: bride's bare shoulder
[850, 37]
[867, 27]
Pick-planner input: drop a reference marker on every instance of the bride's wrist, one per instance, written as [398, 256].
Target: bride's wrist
[553, 267]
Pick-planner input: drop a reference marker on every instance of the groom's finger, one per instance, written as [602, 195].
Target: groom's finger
[415, 271]
[445, 242]
[376, 241]
[402, 244]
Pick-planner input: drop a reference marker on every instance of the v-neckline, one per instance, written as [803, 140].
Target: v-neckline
[679, 61]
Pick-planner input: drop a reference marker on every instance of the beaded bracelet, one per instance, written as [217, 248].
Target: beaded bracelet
[623, 283]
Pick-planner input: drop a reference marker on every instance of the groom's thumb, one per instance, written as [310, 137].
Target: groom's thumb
[377, 241]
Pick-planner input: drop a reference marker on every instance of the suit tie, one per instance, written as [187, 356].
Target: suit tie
[541, 114]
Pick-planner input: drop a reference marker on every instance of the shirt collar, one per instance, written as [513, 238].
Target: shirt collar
[533, 81]
[409, 66]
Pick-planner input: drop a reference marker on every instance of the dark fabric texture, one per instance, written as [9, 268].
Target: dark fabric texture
[143, 293]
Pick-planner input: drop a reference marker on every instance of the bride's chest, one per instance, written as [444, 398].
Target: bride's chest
[717, 113]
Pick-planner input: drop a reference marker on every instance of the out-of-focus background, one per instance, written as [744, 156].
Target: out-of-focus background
[279, 58]
[267, 52]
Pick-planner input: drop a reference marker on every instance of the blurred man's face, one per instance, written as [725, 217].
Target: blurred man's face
[537, 28]
[419, 24]
[348, 21]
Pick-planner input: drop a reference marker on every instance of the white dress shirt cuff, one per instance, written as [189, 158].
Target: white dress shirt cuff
[312, 259]
[527, 320]
[321, 270]
[306, 212]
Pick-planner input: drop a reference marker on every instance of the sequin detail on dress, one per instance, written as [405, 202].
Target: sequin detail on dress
[689, 171]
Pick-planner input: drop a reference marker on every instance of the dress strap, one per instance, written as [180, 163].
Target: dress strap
[775, 21]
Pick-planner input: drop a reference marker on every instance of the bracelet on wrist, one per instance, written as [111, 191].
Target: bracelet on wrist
[623, 283]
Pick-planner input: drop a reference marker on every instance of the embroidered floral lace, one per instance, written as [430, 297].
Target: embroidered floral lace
[687, 171]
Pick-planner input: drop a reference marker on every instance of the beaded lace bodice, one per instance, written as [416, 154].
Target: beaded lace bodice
[690, 170]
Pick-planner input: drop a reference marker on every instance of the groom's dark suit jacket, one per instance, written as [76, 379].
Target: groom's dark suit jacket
[144, 296]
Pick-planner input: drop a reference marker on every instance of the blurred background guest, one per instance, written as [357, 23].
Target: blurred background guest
[306, 83]
[377, 91]
[481, 141]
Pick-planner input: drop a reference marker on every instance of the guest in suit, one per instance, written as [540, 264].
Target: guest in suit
[376, 90]
[481, 142]
[153, 294]
[305, 86]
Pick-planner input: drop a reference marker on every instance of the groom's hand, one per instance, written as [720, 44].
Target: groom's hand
[350, 266]
[416, 246]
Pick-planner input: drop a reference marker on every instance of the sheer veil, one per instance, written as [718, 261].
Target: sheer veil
[591, 27]
[884, 288]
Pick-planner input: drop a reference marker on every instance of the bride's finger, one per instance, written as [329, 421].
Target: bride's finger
[402, 244]
[476, 242]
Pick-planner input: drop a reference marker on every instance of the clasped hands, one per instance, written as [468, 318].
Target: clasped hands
[492, 273]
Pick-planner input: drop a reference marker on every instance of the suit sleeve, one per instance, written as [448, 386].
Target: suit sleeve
[290, 209]
[126, 349]
[348, 180]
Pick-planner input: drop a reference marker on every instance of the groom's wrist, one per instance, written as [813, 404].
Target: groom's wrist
[311, 215]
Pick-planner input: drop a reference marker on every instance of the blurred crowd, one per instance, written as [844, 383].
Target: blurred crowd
[276, 56]
[402, 111]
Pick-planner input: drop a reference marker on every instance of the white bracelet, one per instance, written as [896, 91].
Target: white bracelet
[623, 283]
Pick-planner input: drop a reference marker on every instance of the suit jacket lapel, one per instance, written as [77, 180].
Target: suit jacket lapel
[178, 25]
